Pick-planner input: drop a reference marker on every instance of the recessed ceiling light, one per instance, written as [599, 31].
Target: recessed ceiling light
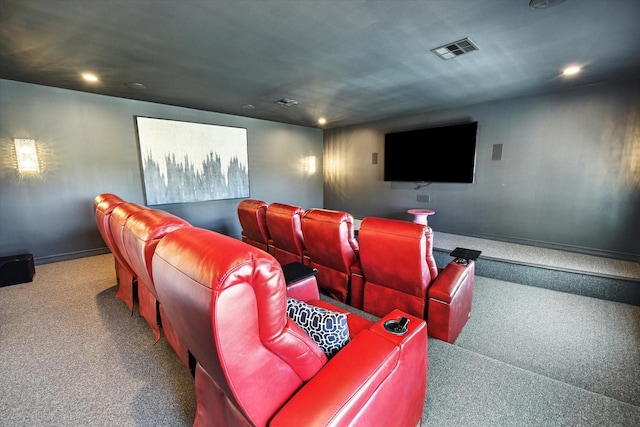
[322, 121]
[90, 77]
[571, 71]
[249, 107]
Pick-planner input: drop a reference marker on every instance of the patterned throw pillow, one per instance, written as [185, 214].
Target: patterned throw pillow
[327, 328]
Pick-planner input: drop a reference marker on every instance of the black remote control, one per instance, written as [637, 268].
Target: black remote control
[402, 324]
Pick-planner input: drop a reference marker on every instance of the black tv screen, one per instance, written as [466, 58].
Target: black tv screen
[439, 154]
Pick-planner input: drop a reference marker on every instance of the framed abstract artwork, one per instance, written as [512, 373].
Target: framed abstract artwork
[186, 162]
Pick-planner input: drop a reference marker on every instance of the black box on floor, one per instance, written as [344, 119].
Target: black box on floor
[16, 269]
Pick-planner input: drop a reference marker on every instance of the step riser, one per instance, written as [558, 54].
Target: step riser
[611, 289]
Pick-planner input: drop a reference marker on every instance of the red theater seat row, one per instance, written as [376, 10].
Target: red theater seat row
[391, 265]
[282, 230]
[226, 306]
[132, 232]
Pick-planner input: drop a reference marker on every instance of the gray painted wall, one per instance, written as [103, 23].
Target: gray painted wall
[569, 177]
[88, 146]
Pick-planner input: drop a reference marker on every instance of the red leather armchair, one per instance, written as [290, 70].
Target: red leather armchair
[333, 251]
[283, 223]
[142, 232]
[253, 220]
[103, 205]
[400, 271]
[255, 366]
[127, 289]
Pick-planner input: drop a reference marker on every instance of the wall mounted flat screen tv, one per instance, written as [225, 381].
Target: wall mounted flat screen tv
[438, 154]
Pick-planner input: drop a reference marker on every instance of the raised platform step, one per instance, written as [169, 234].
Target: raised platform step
[604, 278]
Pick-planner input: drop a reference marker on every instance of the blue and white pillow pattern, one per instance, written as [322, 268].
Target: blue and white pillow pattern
[327, 328]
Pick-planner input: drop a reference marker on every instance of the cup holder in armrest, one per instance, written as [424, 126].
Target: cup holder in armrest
[397, 327]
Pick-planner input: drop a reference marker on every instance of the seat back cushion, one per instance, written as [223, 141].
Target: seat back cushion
[332, 248]
[117, 221]
[142, 232]
[253, 220]
[394, 263]
[103, 205]
[283, 223]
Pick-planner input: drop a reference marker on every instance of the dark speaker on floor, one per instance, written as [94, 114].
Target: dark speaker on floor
[16, 269]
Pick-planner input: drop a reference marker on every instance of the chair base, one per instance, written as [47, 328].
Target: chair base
[127, 286]
[148, 309]
[174, 340]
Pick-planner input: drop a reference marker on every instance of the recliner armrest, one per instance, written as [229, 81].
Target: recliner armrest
[377, 379]
[301, 281]
[304, 290]
[450, 279]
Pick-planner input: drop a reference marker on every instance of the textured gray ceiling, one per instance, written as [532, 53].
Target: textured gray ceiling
[349, 61]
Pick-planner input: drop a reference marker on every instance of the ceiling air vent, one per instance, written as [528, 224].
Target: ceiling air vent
[451, 50]
[543, 4]
[287, 102]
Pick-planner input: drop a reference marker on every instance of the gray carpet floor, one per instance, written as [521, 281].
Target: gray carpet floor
[537, 357]
[469, 389]
[71, 355]
[587, 342]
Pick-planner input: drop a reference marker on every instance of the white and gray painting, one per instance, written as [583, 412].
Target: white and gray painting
[191, 162]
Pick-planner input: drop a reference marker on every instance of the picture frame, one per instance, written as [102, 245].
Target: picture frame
[184, 162]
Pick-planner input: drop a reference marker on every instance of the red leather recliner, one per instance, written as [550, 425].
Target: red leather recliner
[255, 366]
[253, 220]
[127, 291]
[283, 223]
[333, 251]
[103, 205]
[142, 232]
[400, 271]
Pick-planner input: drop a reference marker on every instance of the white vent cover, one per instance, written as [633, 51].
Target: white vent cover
[451, 50]
[287, 102]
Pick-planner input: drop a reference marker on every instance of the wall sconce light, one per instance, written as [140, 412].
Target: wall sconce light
[310, 165]
[27, 156]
